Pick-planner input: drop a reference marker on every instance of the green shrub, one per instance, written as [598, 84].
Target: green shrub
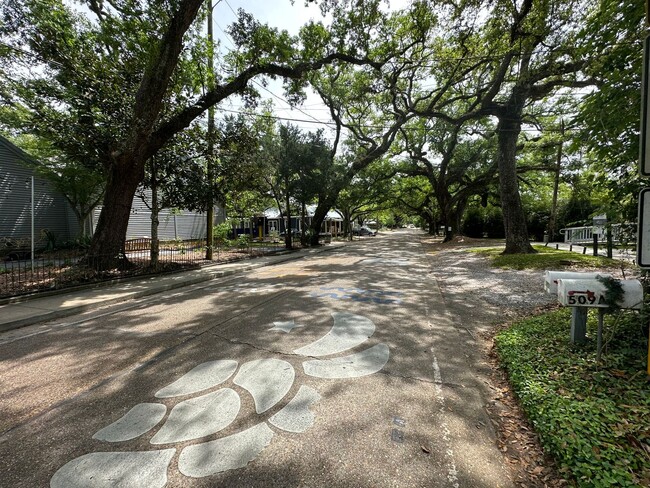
[50, 239]
[243, 241]
[473, 225]
[494, 224]
[594, 419]
[221, 233]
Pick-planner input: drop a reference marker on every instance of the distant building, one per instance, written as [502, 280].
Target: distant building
[173, 224]
[52, 212]
[271, 222]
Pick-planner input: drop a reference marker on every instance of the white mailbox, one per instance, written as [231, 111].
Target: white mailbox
[551, 278]
[591, 293]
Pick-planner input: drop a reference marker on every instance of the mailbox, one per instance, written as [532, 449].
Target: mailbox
[551, 278]
[591, 293]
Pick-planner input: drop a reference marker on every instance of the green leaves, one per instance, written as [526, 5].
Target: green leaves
[260, 44]
[594, 422]
[612, 39]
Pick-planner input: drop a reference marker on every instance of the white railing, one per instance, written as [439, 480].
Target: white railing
[584, 235]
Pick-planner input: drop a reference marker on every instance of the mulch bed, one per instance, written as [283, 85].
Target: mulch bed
[528, 464]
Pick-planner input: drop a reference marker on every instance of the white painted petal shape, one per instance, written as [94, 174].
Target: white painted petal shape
[204, 376]
[286, 327]
[140, 419]
[296, 416]
[348, 331]
[231, 452]
[362, 363]
[267, 380]
[199, 417]
[115, 469]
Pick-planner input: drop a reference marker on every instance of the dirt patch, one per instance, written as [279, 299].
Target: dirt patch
[529, 465]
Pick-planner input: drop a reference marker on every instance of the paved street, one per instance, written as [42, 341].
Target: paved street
[347, 368]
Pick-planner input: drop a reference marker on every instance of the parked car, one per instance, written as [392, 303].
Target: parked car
[294, 233]
[363, 231]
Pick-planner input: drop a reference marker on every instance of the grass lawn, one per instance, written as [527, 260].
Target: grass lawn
[546, 258]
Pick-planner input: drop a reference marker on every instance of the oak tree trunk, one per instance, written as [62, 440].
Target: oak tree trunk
[287, 235]
[155, 214]
[514, 218]
[320, 213]
[107, 247]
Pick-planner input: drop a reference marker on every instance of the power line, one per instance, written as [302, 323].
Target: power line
[333, 125]
[231, 9]
[258, 83]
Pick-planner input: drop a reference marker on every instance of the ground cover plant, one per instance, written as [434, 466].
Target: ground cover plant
[546, 258]
[593, 418]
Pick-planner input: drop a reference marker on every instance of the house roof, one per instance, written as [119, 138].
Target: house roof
[11, 147]
[274, 213]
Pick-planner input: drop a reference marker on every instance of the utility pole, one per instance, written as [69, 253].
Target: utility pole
[211, 133]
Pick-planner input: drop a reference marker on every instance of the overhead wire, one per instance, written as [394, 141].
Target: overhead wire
[376, 127]
[260, 85]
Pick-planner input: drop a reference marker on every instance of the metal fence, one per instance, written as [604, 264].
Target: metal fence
[20, 274]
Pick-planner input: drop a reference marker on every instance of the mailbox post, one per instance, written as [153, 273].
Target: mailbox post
[590, 293]
[599, 223]
[578, 314]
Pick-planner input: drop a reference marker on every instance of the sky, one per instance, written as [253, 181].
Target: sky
[284, 16]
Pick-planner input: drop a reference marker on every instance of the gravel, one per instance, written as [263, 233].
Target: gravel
[470, 274]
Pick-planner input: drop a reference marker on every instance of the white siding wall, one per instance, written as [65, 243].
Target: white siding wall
[173, 225]
[51, 209]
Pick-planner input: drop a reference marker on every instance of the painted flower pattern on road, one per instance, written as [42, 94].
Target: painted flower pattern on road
[208, 406]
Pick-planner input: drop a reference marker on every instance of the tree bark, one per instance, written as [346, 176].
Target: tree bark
[209, 234]
[431, 222]
[287, 235]
[303, 217]
[107, 247]
[514, 218]
[556, 186]
[320, 213]
[155, 212]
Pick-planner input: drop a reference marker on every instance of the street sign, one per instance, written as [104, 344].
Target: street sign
[600, 220]
[643, 232]
[644, 156]
[599, 223]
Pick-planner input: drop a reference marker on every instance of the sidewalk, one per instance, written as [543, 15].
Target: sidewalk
[23, 311]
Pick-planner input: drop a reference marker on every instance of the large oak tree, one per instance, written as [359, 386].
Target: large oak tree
[117, 87]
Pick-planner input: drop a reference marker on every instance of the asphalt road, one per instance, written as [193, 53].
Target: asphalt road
[343, 369]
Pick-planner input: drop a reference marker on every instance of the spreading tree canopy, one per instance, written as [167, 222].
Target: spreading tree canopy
[116, 86]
